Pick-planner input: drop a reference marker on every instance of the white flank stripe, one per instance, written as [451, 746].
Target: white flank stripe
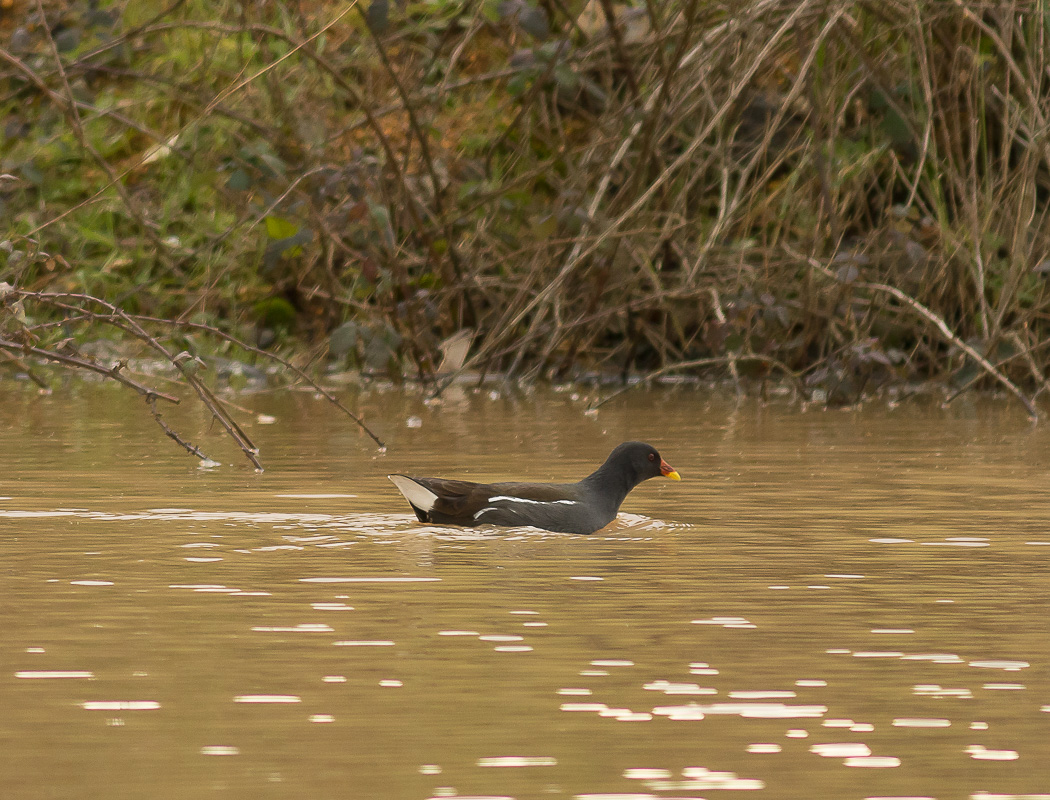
[526, 500]
[507, 499]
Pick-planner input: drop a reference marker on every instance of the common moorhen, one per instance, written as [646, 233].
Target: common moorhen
[582, 507]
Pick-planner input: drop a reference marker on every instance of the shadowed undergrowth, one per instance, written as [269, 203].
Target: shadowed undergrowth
[842, 194]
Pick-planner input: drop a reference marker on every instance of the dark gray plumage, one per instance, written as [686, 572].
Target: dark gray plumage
[581, 507]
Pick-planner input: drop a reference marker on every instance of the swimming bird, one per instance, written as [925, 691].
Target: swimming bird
[581, 507]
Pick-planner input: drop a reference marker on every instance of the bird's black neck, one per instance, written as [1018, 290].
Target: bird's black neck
[612, 483]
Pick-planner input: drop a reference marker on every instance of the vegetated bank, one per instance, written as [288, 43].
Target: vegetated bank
[844, 194]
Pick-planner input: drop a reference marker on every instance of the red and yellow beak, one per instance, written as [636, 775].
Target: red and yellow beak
[668, 471]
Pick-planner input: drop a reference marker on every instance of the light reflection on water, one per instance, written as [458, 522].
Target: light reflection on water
[830, 604]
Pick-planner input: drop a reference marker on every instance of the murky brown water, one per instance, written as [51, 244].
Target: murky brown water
[832, 604]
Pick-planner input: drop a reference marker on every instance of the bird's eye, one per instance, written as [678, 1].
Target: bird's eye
[652, 456]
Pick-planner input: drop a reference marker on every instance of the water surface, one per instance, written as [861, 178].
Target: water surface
[847, 604]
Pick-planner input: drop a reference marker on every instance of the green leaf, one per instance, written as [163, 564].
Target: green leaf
[275, 312]
[239, 181]
[378, 16]
[533, 20]
[280, 228]
[518, 85]
[545, 228]
[566, 78]
[344, 338]
[895, 128]
[381, 219]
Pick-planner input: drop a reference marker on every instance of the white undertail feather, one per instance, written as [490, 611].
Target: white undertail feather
[419, 496]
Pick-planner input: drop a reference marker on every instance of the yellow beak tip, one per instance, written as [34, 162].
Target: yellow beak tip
[673, 475]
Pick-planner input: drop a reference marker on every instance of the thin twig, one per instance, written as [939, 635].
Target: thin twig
[120, 319]
[938, 323]
[716, 302]
[56, 299]
[114, 372]
[68, 105]
[704, 362]
[192, 449]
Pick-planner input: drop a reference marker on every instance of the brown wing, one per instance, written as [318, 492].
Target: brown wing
[457, 501]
